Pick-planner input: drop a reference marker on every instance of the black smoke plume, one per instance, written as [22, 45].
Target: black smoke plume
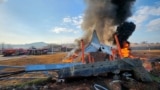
[103, 16]
[122, 9]
[124, 31]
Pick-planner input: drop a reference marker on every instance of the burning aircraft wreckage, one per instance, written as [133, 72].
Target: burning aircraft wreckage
[96, 59]
[95, 55]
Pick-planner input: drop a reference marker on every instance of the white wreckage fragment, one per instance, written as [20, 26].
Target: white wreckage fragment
[95, 45]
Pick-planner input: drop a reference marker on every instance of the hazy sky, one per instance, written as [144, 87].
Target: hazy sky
[59, 21]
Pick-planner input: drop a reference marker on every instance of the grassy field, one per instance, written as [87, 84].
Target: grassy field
[39, 59]
[146, 53]
[56, 58]
[149, 51]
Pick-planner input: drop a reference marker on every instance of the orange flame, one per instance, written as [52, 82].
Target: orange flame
[125, 51]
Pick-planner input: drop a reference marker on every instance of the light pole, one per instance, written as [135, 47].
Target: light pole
[2, 48]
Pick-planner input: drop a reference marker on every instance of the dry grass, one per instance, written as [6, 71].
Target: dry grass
[147, 50]
[146, 53]
[48, 59]
[22, 79]
[42, 59]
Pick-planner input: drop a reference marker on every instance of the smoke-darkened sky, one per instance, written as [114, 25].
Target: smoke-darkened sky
[59, 21]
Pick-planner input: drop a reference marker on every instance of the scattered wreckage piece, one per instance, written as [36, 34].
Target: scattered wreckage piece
[46, 67]
[97, 68]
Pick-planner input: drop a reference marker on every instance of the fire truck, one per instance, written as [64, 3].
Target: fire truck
[12, 52]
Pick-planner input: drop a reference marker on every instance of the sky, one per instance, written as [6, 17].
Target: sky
[59, 21]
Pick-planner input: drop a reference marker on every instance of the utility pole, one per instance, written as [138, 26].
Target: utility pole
[52, 48]
[66, 48]
[148, 47]
[2, 49]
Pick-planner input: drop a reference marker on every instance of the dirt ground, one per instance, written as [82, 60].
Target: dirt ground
[78, 84]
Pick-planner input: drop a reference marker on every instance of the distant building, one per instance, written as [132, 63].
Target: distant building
[66, 49]
[54, 48]
[145, 46]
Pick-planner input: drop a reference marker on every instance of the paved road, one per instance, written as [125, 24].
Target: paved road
[11, 57]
